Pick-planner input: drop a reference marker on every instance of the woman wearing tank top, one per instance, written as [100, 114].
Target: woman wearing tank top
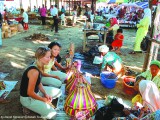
[33, 95]
[52, 76]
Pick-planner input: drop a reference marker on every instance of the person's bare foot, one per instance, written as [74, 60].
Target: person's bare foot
[118, 52]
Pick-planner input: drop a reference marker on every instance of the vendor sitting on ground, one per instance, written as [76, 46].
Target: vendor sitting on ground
[152, 74]
[150, 107]
[111, 61]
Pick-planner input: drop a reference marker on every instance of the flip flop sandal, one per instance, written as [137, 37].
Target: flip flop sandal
[25, 110]
[4, 101]
[132, 52]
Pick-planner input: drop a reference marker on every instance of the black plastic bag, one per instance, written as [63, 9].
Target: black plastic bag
[104, 113]
[94, 51]
[116, 106]
[114, 109]
[144, 43]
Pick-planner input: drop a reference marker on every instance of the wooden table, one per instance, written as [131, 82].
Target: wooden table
[95, 32]
[16, 18]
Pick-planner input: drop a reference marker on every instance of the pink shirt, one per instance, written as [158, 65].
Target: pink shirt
[43, 12]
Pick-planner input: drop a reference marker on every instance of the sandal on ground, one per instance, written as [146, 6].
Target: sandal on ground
[119, 53]
[4, 101]
[25, 110]
[132, 52]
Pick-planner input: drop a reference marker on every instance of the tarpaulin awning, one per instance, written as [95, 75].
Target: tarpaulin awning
[121, 1]
[143, 4]
[117, 1]
[112, 1]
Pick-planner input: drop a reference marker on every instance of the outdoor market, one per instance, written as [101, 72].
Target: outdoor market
[80, 59]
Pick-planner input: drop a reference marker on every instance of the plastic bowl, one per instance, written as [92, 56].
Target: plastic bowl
[127, 88]
[108, 79]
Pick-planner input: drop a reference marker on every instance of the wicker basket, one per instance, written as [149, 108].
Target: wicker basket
[72, 84]
[5, 28]
[80, 99]
[7, 34]
[3, 35]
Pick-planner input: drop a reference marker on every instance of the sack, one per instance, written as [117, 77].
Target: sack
[110, 111]
[104, 113]
[93, 51]
[144, 43]
[116, 106]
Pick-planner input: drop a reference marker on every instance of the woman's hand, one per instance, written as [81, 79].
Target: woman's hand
[45, 100]
[49, 98]
[66, 68]
[56, 77]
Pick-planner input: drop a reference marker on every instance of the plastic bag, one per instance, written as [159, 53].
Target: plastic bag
[144, 44]
[137, 98]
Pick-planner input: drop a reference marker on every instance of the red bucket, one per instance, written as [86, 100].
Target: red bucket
[127, 88]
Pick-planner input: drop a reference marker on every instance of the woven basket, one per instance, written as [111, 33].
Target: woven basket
[71, 74]
[7, 34]
[13, 28]
[5, 28]
[20, 28]
[3, 35]
[80, 99]
[70, 86]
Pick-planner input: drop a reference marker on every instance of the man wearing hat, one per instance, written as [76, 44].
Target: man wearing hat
[111, 61]
[152, 74]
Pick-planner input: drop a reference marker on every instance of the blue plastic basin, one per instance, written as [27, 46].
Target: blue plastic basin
[108, 79]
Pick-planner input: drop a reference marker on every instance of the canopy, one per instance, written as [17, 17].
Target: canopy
[117, 1]
[129, 5]
[143, 4]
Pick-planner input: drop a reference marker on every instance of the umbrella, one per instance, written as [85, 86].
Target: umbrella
[142, 4]
[117, 1]
[121, 1]
[129, 5]
[112, 1]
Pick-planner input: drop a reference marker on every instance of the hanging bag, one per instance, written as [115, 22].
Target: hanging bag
[144, 43]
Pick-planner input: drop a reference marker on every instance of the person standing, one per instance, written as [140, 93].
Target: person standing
[79, 9]
[39, 9]
[35, 9]
[63, 10]
[63, 19]
[54, 13]
[0, 30]
[74, 18]
[24, 20]
[92, 17]
[142, 30]
[118, 41]
[43, 12]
